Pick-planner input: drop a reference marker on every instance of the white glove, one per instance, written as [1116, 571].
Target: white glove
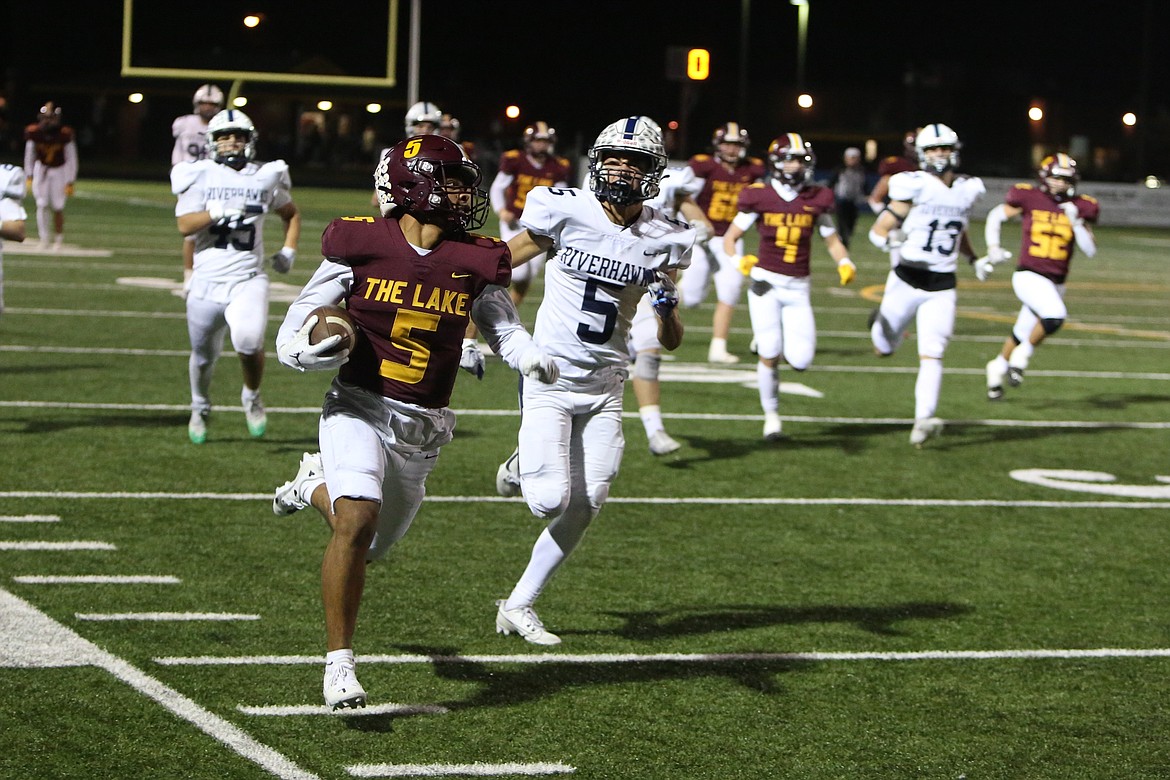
[303, 356]
[983, 267]
[663, 295]
[187, 274]
[997, 254]
[702, 232]
[282, 261]
[895, 238]
[534, 364]
[1070, 210]
[471, 360]
[218, 211]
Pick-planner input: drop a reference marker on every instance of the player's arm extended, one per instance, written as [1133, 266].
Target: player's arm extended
[526, 245]
[495, 315]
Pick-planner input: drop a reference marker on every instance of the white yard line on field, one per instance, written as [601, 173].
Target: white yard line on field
[459, 770]
[161, 617]
[1030, 654]
[29, 638]
[30, 518]
[57, 546]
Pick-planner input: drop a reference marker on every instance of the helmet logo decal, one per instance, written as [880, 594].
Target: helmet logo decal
[412, 148]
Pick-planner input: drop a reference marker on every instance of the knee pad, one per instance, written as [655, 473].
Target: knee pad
[1051, 325]
[646, 366]
[545, 503]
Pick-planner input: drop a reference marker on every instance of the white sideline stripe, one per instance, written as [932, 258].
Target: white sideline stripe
[681, 658]
[96, 579]
[162, 616]
[668, 500]
[27, 633]
[322, 709]
[30, 518]
[462, 770]
[57, 546]
[895, 421]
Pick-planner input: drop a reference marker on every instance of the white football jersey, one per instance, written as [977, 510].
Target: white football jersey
[597, 274]
[235, 249]
[937, 218]
[190, 132]
[677, 183]
[11, 195]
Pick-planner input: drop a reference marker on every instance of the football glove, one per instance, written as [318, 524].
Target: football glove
[471, 359]
[895, 238]
[535, 364]
[282, 261]
[746, 263]
[985, 265]
[1071, 211]
[702, 232]
[846, 270]
[663, 295]
[69, 190]
[220, 211]
[303, 356]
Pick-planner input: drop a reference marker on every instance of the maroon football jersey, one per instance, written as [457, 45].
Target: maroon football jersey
[412, 309]
[49, 144]
[721, 186]
[1048, 235]
[896, 164]
[525, 176]
[786, 227]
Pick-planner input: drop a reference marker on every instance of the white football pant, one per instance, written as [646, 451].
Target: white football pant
[782, 317]
[213, 309]
[1043, 299]
[709, 261]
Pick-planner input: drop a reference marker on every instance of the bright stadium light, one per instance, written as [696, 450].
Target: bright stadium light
[240, 101]
[373, 108]
[253, 20]
[1129, 119]
[512, 112]
[1035, 113]
[804, 100]
[135, 97]
[324, 105]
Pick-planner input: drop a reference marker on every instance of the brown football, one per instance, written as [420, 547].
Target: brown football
[331, 321]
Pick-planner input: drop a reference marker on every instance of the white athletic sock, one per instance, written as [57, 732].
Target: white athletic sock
[769, 381]
[652, 419]
[1021, 355]
[926, 389]
[1000, 363]
[546, 557]
[344, 656]
[718, 346]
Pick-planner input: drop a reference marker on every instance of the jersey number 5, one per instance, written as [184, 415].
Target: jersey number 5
[412, 371]
[606, 309]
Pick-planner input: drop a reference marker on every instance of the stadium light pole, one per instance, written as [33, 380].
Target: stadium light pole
[415, 35]
[801, 38]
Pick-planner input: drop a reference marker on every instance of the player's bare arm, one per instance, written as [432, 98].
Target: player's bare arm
[526, 245]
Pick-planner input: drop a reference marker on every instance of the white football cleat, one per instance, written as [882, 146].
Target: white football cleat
[341, 688]
[523, 621]
[508, 476]
[295, 495]
[254, 414]
[772, 427]
[661, 443]
[721, 356]
[924, 429]
[197, 427]
[995, 377]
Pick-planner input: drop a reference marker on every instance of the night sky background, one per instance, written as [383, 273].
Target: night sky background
[874, 69]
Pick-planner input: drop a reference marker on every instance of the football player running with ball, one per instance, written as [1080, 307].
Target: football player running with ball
[924, 228]
[223, 202]
[786, 210]
[611, 250]
[410, 280]
[1054, 217]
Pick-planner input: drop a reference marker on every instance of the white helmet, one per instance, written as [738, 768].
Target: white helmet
[932, 137]
[232, 120]
[423, 112]
[208, 93]
[640, 136]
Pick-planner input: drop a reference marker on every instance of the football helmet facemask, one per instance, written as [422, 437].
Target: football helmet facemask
[730, 133]
[449, 127]
[937, 136]
[1059, 176]
[231, 121]
[788, 148]
[431, 178]
[639, 140]
[423, 113]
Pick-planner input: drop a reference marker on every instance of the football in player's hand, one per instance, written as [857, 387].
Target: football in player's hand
[332, 321]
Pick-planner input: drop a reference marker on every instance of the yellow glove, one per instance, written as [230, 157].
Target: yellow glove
[69, 189]
[846, 270]
[28, 183]
[746, 263]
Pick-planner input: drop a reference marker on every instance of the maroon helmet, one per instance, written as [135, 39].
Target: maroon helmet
[730, 133]
[788, 147]
[1058, 176]
[431, 178]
